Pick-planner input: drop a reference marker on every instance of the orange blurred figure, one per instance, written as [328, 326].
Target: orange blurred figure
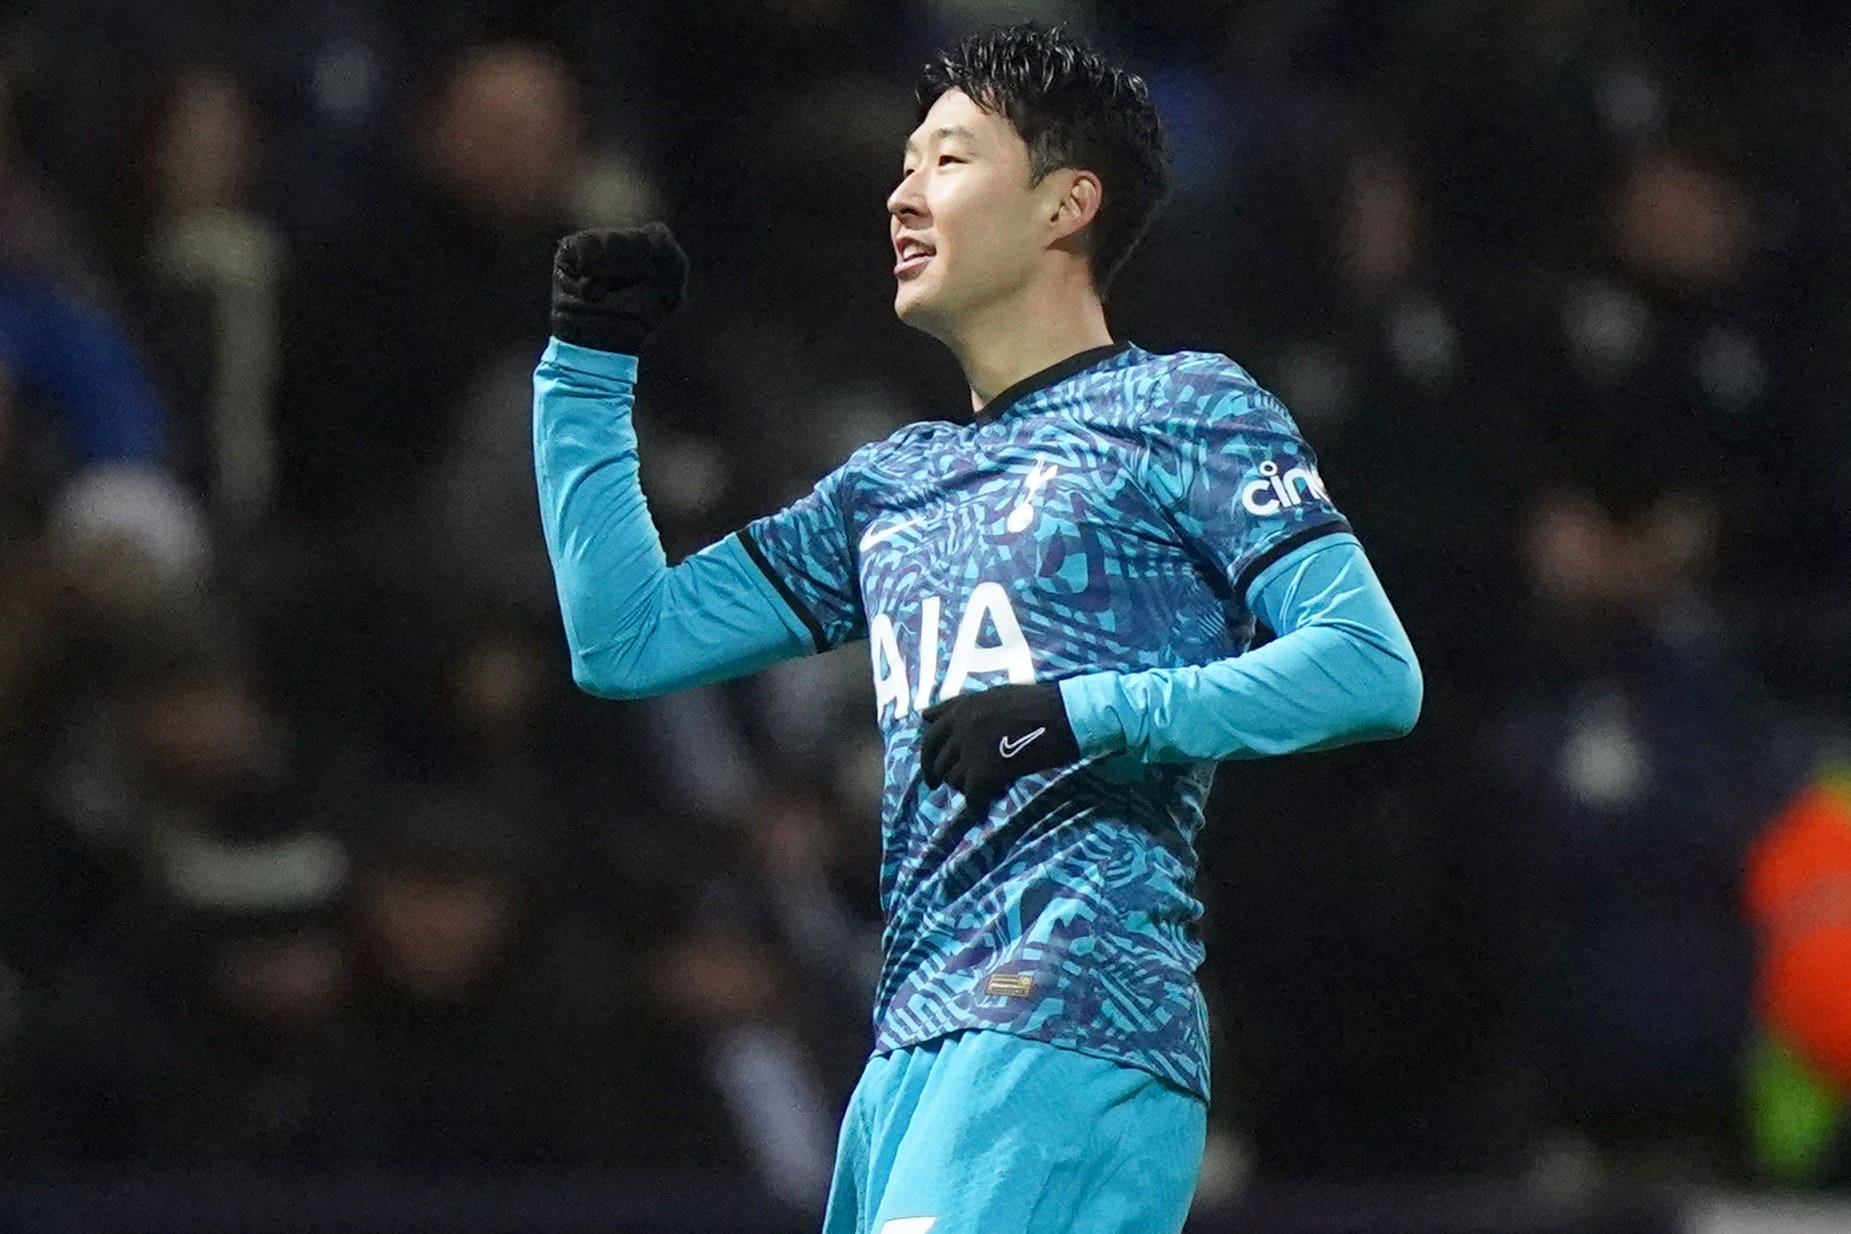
[1799, 896]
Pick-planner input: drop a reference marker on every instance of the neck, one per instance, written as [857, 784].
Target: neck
[1019, 336]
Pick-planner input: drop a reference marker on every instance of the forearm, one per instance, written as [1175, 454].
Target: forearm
[635, 625]
[1341, 671]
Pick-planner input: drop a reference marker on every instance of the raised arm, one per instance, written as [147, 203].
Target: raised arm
[635, 625]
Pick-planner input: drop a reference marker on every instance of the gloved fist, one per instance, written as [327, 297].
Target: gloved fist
[983, 742]
[611, 289]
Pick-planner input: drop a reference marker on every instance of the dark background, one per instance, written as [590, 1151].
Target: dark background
[312, 859]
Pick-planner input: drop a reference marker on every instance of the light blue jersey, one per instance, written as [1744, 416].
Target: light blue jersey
[1107, 515]
[1116, 523]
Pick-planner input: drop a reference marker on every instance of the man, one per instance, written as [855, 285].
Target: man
[1056, 597]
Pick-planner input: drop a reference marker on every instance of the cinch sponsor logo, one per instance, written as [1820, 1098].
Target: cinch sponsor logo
[1274, 491]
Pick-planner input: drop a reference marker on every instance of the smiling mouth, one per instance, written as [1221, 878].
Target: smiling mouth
[913, 255]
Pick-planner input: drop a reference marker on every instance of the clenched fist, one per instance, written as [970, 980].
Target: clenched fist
[611, 289]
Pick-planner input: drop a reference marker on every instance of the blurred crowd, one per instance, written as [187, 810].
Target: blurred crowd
[310, 853]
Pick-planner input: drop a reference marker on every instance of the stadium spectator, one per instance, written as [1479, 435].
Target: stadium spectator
[488, 1026]
[202, 1021]
[813, 866]
[1636, 762]
[373, 380]
[1676, 334]
[738, 1086]
[154, 725]
[373, 376]
[1383, 346]
[124, 551]
[201, 267]
[79, 393]
[1798, 896]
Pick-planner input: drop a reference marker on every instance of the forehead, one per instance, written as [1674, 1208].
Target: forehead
[953, 116]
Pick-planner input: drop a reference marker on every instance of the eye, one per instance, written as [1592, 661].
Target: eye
[948, 158]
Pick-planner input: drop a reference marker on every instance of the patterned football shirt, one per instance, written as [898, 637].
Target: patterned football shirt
[1106, 514]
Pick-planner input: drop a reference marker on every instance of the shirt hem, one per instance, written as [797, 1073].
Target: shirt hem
[1181, 1082]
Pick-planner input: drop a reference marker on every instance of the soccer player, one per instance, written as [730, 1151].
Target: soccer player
[1056, 593]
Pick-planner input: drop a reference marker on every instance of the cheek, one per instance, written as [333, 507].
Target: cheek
[976, 227]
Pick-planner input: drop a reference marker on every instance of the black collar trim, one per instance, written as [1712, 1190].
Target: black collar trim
[1079, 362]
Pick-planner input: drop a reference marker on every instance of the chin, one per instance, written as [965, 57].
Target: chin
[926, 307]
[913, 308]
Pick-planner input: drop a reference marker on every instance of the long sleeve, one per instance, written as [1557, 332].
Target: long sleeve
[1340, 671]
[635, 625]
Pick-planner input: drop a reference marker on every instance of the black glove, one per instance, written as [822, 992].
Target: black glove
[611, 289]
[980, 743]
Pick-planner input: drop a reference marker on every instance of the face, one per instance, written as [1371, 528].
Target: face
[968, 227]
[208, 146]
[438, 935]
[506, 131]
[291, 981]
[200, 736]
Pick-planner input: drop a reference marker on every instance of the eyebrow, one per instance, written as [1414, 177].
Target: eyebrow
[944, 130]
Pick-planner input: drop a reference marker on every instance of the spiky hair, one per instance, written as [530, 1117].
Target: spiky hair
[1073, 110]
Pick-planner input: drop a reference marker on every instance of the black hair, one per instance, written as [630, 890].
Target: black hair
[1073, 110]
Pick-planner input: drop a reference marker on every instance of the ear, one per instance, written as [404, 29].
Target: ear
[1075, 204]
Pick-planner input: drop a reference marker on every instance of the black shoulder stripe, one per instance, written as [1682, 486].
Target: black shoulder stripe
[1258, 565]
[790, 597]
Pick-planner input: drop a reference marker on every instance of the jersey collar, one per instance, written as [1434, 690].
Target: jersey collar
[1079, 362]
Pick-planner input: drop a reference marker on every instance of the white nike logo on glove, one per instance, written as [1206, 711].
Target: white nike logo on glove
[1009, 749]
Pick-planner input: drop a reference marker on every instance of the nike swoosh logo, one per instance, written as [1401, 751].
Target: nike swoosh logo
[873, 537]
[1009, 749]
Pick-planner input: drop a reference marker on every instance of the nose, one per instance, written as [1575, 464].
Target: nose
[906, 203]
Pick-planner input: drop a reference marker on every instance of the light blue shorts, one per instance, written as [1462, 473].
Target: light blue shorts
[990, 1133]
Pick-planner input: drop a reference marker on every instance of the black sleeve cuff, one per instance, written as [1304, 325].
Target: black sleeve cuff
[1258, 565]
[783, 589]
